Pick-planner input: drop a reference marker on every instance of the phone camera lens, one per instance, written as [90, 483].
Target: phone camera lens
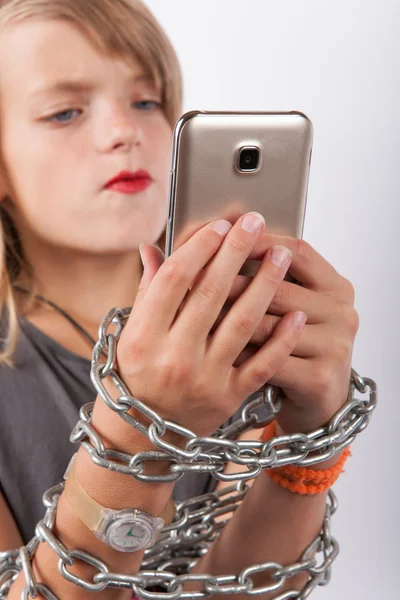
[249, 158]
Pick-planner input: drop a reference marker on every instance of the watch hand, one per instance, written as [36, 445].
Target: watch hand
[140, 537]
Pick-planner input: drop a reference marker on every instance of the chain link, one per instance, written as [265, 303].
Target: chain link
[168, 563]
[298, 449]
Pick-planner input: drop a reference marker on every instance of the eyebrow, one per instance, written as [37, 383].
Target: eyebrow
[77, 86]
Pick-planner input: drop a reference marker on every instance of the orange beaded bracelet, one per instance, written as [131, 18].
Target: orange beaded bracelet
[303, 480]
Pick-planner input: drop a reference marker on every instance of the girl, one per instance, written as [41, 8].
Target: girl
[89, 94]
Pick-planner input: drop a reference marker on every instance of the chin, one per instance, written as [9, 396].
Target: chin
[124, 244]
[114, 234]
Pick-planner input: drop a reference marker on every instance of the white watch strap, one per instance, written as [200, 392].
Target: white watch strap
[90, 511]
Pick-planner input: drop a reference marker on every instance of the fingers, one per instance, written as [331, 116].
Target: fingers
[238, 327]
[188, 232]
[153, 258]
[212, 287]
[260, 368]
[314, 341]
[230, 212]
[291, 377]
[307, 266]
[290, 297]
[164, 294]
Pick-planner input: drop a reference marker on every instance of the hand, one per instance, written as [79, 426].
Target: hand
[166, 355]
[315, 377]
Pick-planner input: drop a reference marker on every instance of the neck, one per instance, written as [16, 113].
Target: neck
[85, 286]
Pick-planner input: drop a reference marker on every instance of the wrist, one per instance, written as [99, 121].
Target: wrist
[117, 433]
[326, 464]
[117, 490]
[304, 480]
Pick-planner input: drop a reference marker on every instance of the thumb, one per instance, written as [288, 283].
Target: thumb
[152, 258]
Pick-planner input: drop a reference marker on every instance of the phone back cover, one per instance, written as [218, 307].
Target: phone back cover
[206, 183]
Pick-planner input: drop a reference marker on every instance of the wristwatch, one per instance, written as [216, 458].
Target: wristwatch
[126, 530]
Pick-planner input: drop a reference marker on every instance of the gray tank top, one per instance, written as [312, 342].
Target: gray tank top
[39, 402]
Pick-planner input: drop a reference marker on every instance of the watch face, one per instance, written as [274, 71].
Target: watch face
[129, 535]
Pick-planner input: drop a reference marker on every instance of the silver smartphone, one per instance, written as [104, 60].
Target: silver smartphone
[227, 163]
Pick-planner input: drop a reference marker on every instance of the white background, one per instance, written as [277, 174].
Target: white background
[339, 63]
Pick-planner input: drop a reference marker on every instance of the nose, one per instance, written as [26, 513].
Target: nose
[116, 129]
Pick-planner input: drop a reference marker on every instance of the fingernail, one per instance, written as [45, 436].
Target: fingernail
[298, 321]
[280, 256]
[222, 226]
[253, 222]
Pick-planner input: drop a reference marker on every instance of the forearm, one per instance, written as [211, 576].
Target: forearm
[111, 489]
[271, 524]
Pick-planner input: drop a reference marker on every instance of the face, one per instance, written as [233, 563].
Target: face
[71, 120]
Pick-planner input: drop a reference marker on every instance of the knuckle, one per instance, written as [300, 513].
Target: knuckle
[287, 344]
[354, 322]
[237, 244]
[132, 349]
[243, 323]
[338, 348]
[173, 368]
[281, 295]
[174, 273]
[207, 287]
[270, 279]
[342, 350]
[263, 373]
[202, 389]
[303, 249]
[350, 317]
[322, 380]
[349, 289]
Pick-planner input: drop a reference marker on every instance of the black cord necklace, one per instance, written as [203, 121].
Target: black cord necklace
[62, 312]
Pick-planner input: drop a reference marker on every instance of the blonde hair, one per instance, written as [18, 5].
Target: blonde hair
[116, 27]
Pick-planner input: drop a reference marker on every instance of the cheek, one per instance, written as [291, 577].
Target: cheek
[159, 149]
[40, 175]
[156, 157]
[40, 165]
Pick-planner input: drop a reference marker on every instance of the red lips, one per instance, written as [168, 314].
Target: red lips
[128, 182]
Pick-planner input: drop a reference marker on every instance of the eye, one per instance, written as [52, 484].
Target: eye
[64, 116]
[146, 105]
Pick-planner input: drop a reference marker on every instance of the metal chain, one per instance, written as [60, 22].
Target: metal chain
[211, 454]
[168, 563]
